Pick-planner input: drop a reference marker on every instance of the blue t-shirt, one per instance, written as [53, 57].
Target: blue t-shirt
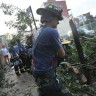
[13, 51]
[20, 48]
[46, 49]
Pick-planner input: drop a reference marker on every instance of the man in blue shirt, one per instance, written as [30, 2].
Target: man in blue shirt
[46, 43]
[14, 59]
[47, 48]
[20, 47]
[23, 56]
[12, 50]
[47, 51]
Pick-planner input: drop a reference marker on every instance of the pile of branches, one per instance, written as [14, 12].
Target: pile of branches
[70, 81]
[89, 48]
[73, 84]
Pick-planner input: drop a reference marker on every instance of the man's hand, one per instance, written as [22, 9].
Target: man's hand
[61, 52]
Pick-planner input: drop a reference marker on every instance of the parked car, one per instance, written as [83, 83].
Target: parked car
[86, 31]
[83, 31]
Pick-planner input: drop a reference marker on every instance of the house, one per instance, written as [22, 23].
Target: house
[84, 17]
[85, 20]
[63, 26]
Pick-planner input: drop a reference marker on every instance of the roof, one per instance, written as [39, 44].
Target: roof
[62, 4]
[2, 35]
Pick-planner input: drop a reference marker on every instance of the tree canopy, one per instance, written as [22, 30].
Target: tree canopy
[22, 19]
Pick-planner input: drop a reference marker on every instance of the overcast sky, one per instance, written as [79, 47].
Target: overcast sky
[77, 6]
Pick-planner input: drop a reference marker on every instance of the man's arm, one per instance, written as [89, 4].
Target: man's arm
[61, 52]
[57, 44]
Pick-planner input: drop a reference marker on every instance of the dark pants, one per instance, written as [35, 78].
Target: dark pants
[42, 75]
[51, 87]
[26, 62]
[17, 67]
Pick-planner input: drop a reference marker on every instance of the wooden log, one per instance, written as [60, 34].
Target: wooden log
[76, 71]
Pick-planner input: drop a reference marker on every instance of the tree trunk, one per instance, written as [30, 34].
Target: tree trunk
[31, 28]
[1, 62]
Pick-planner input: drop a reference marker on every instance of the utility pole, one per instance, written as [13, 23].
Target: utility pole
[33, 18]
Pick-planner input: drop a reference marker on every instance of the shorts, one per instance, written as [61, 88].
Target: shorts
[6, 56]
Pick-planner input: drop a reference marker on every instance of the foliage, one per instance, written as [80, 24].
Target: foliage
[69, 79]
[88, 44]
[8, 9]
[73, 84]
[21, 21]
[89, 48]
[15, 37]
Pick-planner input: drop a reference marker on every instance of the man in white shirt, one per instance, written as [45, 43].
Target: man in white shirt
[5, 53]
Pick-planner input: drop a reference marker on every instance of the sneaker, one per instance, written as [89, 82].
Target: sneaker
[22, 71]
[17, 73]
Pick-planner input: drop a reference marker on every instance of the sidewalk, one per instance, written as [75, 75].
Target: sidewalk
[22, 85]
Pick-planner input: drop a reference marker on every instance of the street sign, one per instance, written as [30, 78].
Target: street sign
[29, 11]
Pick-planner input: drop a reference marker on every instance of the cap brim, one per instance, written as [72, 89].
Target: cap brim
[42, 11]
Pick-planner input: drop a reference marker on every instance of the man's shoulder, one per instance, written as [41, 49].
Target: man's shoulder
[50, 31]
[10, 48]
